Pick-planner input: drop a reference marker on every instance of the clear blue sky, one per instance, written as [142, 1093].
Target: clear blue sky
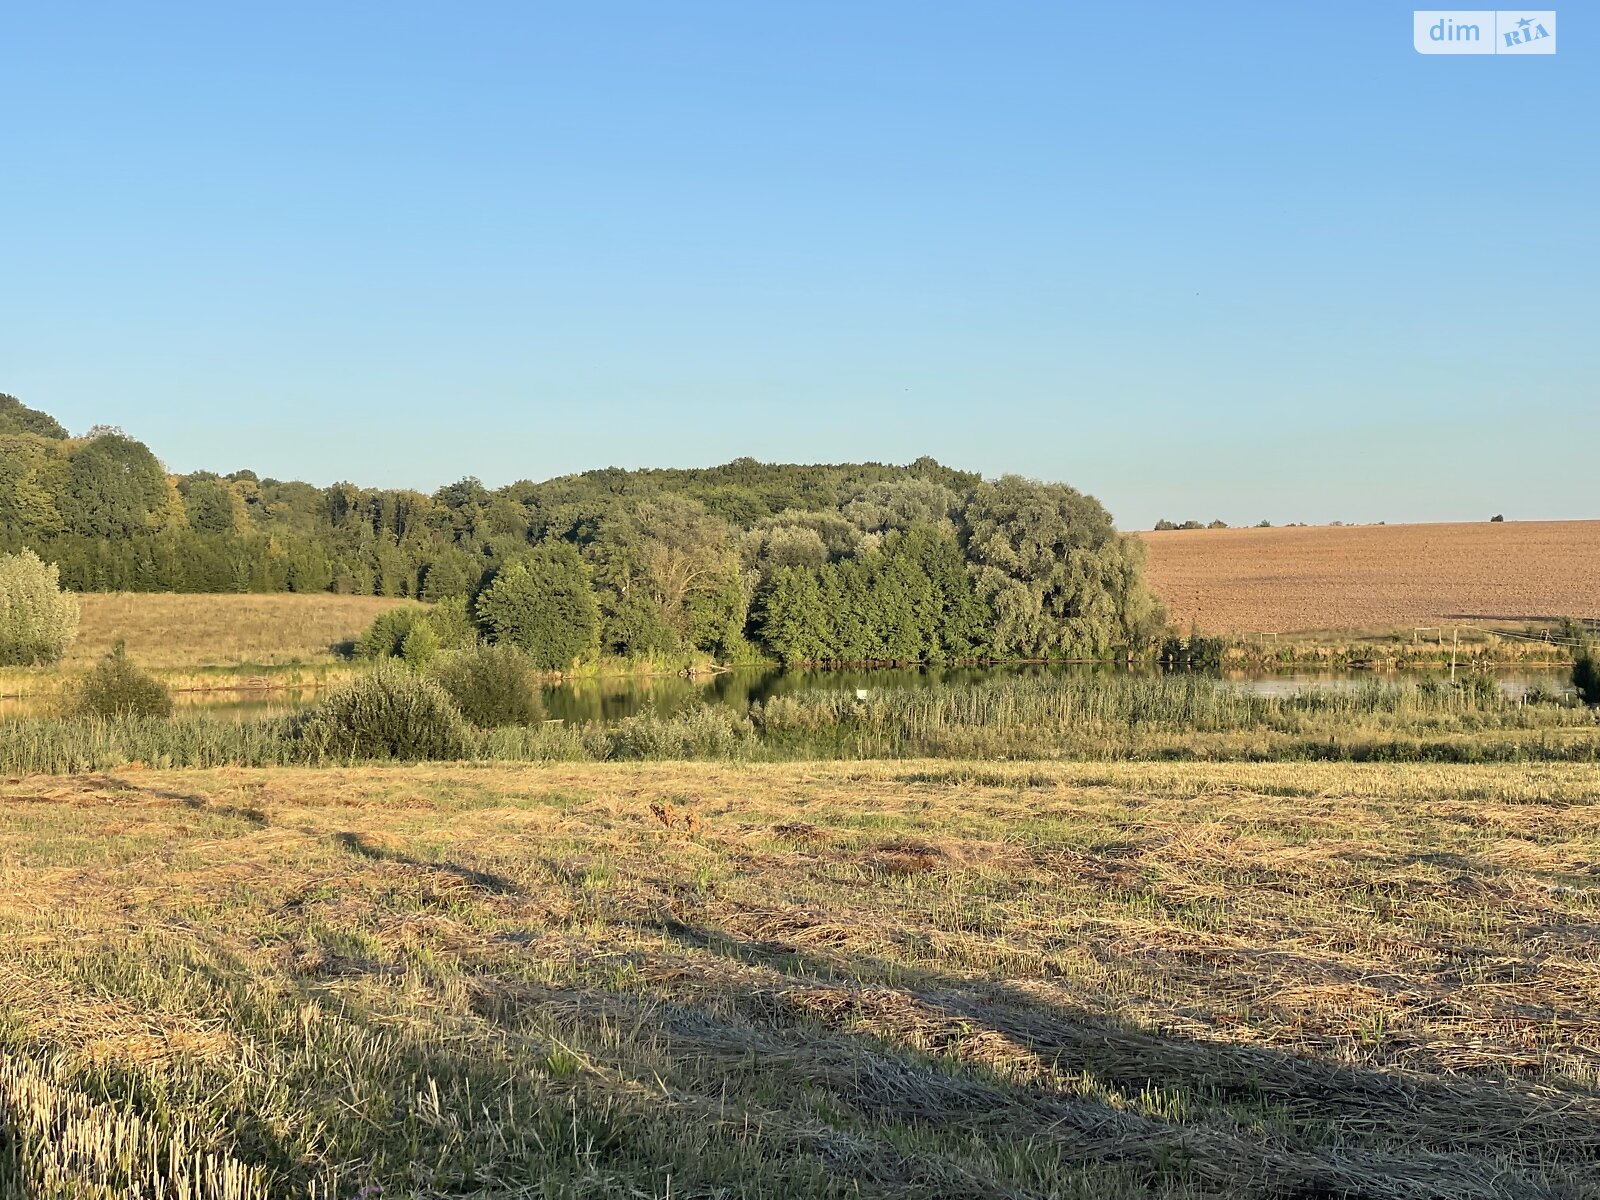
[1244, 261]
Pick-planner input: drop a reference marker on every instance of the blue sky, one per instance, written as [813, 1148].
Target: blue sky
[1260, 261]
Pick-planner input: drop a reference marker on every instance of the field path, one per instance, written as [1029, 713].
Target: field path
[1376, 576]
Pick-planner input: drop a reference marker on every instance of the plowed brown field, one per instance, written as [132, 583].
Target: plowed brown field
[1376, 576]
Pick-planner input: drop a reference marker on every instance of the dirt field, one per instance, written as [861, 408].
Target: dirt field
[1377, 577]
[171, 631]
[912, 979]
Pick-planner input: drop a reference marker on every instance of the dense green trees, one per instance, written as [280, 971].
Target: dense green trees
[848, 562]
[17, 417]
[1059, 579]
[543, 604]
[117, 489]
[909, 600]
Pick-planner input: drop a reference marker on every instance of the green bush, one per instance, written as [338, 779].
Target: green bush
[37, 619]
[544, 604]
[1195, 652]
[116, 687]
[1586, 675]
[492, 686]
[451, 619]
[448, 625]
[391, 712]
[420, 647]
[706, 731]
[386, 636]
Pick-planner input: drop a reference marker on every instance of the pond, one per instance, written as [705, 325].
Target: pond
[613, 697]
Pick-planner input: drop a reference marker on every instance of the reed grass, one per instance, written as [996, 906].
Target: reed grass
[1101, 717]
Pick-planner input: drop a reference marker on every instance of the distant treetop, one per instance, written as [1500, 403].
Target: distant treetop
[17, 417]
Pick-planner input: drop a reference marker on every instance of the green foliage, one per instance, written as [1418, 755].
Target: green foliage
[704, 731]
[211, 505]
[1101, 715]
[1195, 652]
[391, 712]
[668, 577]
[448, 627]
[902, 503]
[451, 619]
[493, 686]
[116, 489]
[1573, 632]
[116, 687]
[911, 600]
[1586, 674]
[421, 646]
[543, 604]
[1059, 579]
[386, 636]
[17, 417]
[908, 563]
[38, 621]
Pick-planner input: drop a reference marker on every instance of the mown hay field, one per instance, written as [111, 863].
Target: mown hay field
[902, 979]
[168, 631]
[1377, 577]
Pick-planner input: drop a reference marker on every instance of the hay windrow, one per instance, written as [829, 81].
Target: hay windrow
[891, 979]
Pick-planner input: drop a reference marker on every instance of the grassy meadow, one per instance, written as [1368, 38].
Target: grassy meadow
[833, 980]
[172, 632]
[197, 643]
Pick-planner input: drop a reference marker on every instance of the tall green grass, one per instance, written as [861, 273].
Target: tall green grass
[1181, 715]
[1088, 717]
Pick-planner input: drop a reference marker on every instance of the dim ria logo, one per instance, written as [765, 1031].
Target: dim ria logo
[1484, 31]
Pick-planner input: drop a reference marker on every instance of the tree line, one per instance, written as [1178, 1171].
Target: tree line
[851, 562]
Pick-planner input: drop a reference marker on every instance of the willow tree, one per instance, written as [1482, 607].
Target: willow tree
[1058, 578]
[38, 621]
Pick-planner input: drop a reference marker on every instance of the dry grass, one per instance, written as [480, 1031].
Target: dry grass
[192, 631]
[1377, 577]
[882, 979]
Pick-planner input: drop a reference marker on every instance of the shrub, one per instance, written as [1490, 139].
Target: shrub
[1586, 675]
[386, 636]
[544, 605]
[452, 620]
[705, 731]
[391, 712]
[421, 646]
[492, 686]
[116, 687]
[1196, 651]
[37, 619]
[448, 626]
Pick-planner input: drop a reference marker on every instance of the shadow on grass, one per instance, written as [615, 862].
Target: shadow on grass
[993, 1059]
[357, 844]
